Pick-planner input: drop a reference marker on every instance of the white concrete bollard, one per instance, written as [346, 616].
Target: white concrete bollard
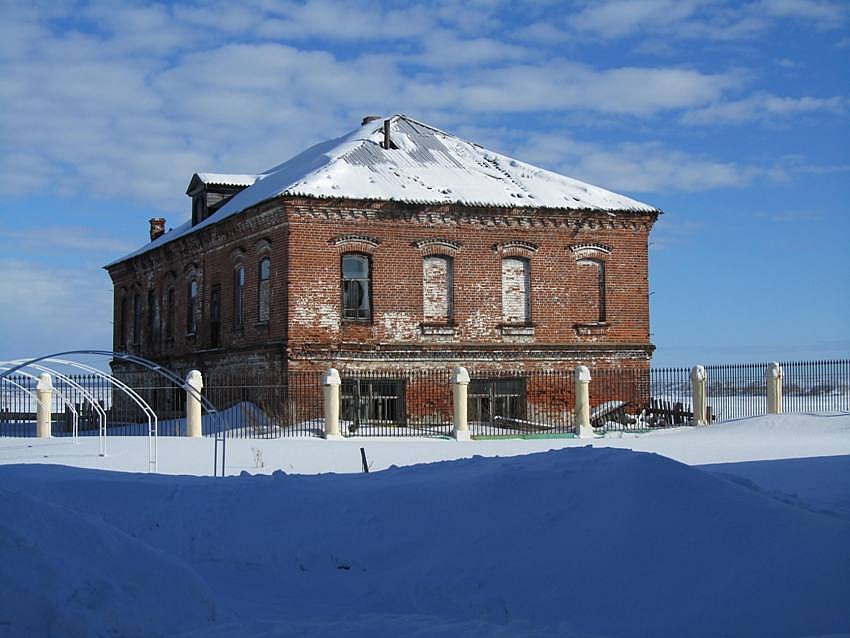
[460, 390]
[331, 383]
[583, 427]
[698, 379]
[44, 396]
[773, 377]
[193, 403]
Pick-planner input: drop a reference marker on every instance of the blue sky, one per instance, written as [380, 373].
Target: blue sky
[730, 117]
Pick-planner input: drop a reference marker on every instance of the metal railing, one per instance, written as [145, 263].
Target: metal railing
[420, 402]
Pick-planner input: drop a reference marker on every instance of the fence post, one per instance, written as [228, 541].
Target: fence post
[460, 388]
[698, 378]
[331, 383]
[773, 376]
[194, 385]
[582, 378]
[44, 396]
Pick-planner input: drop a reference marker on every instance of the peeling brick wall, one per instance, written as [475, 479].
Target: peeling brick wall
[443, 265]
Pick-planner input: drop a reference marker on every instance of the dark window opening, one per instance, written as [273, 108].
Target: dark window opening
[152, 317]
[239, 297]
[372, 401]
[263, 309]
[356, 287]
[137, 319]
[215, 316]
[122, 324]
[191, 306]
[497, 402]
[170, 311]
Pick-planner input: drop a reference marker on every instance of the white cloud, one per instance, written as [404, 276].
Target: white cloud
[763, 107]
[704, 19]
[67, 238]
[638, 168]
[56, 308]
[618, 18]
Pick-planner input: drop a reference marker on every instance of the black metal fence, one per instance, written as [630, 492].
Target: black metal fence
[532, 404]
[251, 407]
[420, 402]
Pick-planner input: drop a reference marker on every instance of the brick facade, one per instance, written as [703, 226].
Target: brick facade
[489, 288]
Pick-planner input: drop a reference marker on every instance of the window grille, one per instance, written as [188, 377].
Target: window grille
[372, 401]
[497, 401]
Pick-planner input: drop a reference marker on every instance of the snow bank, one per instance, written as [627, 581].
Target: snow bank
[69, 573]
[575, 542]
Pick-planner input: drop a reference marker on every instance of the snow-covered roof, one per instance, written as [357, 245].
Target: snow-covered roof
[424, 166]
[225, 179]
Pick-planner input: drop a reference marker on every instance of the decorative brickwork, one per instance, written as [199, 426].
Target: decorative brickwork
[494, 288]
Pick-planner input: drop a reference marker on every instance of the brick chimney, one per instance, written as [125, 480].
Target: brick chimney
[157, 227]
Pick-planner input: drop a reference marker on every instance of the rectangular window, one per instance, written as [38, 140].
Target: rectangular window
[263, 309]
[191, 306]
[497, 402]
[372, 401]
[594, 280]
[239, 298]
[215, 316]
[356, 288]
[122, 324]
[137, 319]
[153, 315]
[170, 311]
[516, 291]
[437, 289]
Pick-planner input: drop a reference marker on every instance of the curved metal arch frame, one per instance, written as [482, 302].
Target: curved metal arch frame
[65, 400]
[153, 421]
[101, 413]
[124, 356]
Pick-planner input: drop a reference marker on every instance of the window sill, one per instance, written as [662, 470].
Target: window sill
[437, 329]
[591, 328]
[516, 329]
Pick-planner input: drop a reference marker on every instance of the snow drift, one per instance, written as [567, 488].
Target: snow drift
[576, 542]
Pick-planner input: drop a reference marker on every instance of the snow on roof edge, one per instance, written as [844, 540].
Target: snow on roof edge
[289, 178]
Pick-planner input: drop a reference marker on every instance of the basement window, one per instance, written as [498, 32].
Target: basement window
[372, 402]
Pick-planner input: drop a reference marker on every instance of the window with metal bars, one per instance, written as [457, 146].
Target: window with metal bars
[497, 400]
[372, 401]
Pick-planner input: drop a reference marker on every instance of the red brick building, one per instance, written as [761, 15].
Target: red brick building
[397, 246]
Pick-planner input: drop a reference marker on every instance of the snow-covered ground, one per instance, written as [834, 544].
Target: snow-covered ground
[736, 529]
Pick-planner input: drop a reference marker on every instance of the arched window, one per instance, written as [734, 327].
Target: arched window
[191, 306]
[122, 323]
[153, 319]
[239, 297]
[437, 289]
[598, 266]
[170, 309]
[356, 287]
[137, 318]
[516, 290]
[265, 273]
